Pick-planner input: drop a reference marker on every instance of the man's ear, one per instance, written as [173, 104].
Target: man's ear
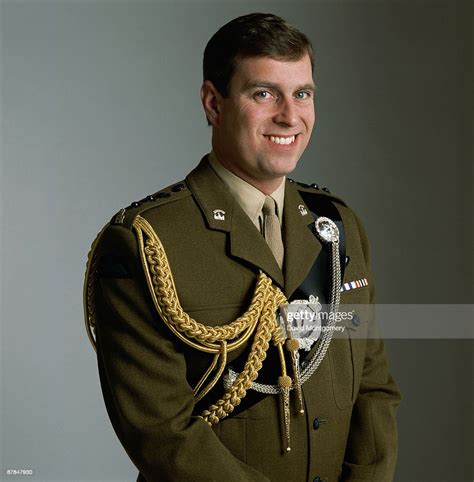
[211, 101]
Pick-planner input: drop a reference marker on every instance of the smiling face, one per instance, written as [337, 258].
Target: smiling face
[263, 127]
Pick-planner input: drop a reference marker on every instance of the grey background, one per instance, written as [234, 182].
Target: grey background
[100, 107]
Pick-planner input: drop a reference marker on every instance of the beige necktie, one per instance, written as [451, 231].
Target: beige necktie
[272, 229]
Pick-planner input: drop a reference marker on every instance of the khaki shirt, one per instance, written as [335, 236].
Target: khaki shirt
[249, 197]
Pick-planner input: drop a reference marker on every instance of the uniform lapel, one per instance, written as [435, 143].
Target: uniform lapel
[301, 246]
[246, 242]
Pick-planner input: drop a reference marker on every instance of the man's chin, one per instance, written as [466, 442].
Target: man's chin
[284, 169]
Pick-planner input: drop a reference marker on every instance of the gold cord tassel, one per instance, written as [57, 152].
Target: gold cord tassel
[285, 382]
[292, 345]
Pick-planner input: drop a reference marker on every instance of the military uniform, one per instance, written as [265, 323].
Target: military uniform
[147, 373]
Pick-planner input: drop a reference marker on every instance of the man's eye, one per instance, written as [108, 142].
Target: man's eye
[303, 95]
[263, 94]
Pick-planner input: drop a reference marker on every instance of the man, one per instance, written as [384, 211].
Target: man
[187, 291]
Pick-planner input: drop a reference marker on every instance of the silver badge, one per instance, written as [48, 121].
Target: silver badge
[327, 229]
[301, 320]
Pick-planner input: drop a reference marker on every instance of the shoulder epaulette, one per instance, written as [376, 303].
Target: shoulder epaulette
[171, 193]
[316, 189]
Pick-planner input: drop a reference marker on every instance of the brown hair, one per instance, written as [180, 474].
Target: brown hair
[252, 35]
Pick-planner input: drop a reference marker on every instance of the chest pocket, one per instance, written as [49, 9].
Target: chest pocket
[342, 369]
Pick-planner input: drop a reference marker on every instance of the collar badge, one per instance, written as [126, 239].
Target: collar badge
[219, 214]
[302, 210]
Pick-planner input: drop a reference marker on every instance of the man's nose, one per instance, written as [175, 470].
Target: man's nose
[286, 112]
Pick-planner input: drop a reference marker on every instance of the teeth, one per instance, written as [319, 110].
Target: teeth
[282, 140]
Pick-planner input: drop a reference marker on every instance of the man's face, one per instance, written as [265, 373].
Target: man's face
[265, 124]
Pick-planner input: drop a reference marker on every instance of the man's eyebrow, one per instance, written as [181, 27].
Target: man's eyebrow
[270, 85]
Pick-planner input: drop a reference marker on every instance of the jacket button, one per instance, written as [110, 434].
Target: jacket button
[356, 320]
[304, 364]
[317, 479]
[316, 423]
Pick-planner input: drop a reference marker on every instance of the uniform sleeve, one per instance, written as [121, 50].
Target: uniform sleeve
[143, 377]
[371, 451]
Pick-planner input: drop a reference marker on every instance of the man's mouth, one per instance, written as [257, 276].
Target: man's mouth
[285, 140]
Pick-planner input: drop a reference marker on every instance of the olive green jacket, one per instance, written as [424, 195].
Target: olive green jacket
[147, 375]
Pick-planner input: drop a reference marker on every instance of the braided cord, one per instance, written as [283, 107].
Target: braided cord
[266, 329]
[260, 318]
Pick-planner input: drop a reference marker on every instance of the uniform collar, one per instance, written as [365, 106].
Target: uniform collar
[249, 197]
[223, 212]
